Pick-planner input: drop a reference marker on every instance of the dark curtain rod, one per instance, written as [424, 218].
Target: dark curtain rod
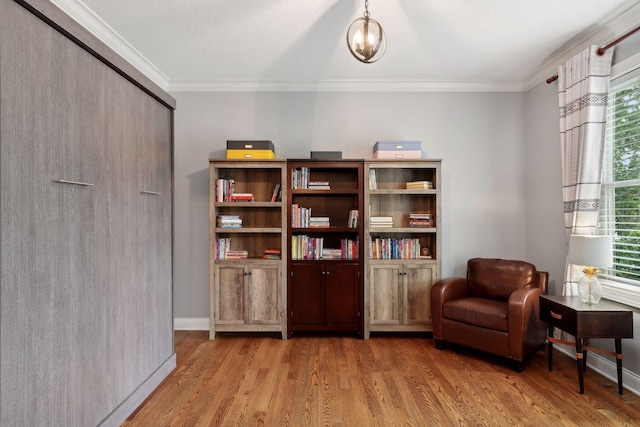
[603, 49]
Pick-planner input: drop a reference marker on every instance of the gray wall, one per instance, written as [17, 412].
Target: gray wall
[546, 244]
[479, 136]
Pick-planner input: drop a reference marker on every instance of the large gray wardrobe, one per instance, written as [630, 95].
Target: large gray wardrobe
[86, 325]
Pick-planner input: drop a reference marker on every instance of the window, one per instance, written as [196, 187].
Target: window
[620, 197]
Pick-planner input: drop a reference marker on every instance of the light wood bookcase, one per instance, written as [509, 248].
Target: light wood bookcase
[249, 294]
[398, 283]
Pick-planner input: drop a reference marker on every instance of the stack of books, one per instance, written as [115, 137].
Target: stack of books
[319, 222]
[419, 185]
[328, 253]
[229, 221]
[319, 185]
[271, 254]
[242, 197]
[236, 254]
[418, 220]
[381, 221]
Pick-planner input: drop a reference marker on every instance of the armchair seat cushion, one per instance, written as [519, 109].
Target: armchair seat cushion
[482, 312]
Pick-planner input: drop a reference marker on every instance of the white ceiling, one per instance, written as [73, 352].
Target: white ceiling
[304, 41]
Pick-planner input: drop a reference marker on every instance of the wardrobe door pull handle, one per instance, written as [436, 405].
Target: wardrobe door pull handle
[155, 193]
[65, 181]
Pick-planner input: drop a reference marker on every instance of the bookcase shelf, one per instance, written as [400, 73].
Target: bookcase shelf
[399, 276]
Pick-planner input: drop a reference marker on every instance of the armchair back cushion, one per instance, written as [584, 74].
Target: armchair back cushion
[498, 278]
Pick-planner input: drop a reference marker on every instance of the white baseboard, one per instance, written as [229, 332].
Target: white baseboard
[608, 369]
[191, 324]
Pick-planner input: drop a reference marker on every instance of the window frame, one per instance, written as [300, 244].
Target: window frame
[619, 291]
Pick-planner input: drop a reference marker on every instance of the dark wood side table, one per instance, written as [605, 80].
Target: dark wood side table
[603, 320]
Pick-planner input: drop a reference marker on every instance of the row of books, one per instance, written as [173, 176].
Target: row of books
[224, 251]
[300, 180]
[305, 247]
[229, 221]
[392, 248]
[300, 216]
[226, 192]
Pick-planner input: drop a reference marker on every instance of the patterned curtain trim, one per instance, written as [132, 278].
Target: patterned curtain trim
[581, 205]
[586, 101]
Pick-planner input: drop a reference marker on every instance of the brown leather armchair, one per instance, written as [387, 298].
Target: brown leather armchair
[494, 309]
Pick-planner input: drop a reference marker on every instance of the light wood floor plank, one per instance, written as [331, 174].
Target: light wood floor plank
[389, 380]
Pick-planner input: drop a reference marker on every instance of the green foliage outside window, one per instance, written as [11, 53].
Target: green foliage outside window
[626, 176]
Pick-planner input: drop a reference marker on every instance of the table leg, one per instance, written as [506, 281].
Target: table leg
[619, 363]
[550, 346]
[579, 358]
[585, 343]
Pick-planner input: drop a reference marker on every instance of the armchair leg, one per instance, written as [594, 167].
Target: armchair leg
[517, 366]
[439, 344]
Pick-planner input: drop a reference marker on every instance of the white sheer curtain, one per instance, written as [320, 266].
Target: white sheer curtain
[583, 86]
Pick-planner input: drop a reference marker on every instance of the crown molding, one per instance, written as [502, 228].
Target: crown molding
[80, 13]
[342, 86]
[618, 22]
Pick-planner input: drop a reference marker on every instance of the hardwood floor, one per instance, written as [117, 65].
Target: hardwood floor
[389, 380]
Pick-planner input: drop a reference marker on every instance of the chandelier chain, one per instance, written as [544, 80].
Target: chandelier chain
[366, 8]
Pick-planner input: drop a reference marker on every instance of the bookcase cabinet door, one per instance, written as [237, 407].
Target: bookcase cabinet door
[385, 294]
[343, 295]
[307, 295]
[418, 280]
[264, 306]
[230, 299]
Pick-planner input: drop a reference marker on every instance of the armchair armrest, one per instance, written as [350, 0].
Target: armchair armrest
[441, 292]
[526, 330]
[449, 289]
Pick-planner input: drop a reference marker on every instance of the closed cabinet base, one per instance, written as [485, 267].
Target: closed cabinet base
[325, 297]
[246, 298]
[399, 297]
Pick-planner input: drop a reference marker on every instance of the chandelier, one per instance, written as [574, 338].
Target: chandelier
[365, 38]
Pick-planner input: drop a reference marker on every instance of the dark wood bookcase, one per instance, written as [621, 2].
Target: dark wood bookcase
[325, 257]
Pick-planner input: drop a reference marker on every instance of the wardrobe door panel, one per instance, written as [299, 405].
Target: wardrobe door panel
[50, 309]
